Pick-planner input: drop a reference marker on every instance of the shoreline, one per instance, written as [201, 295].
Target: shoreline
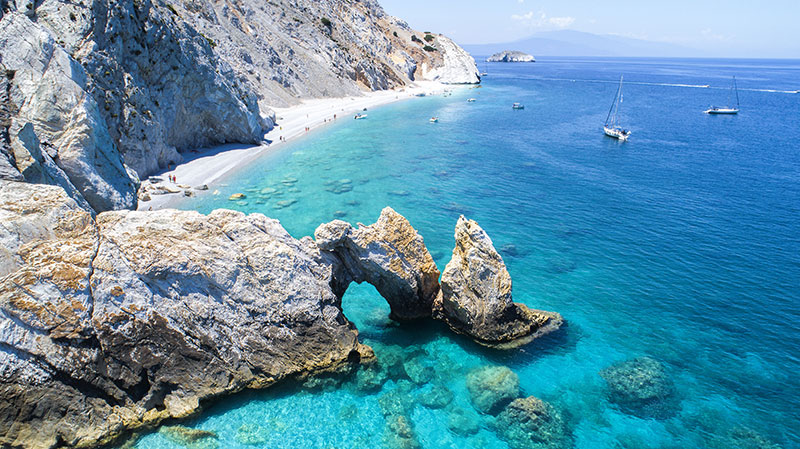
[205, 167]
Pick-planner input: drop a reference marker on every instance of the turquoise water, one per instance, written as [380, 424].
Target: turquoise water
[682, 244]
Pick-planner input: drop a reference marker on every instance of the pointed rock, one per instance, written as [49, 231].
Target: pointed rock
[475, 297]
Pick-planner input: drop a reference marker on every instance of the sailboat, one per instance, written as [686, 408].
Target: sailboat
[728, 109]
[611, 127]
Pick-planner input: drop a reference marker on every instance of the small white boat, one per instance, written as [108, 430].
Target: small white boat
[611, 127]
[360, 116]
[517, 106]
[434, 120]
[471, 100]
[727, 110]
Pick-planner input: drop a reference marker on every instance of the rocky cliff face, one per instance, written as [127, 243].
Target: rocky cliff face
[115, 323]
[116, 91]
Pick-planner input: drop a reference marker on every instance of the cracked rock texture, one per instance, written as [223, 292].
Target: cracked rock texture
[136, 317]
[475, 297]
[390, 255]
[117, 322]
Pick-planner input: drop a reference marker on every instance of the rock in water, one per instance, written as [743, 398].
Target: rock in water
[511, 56]
[475, 297]
[641, 387]
[492, 387]
[399, 433]
[191, 438]
[137, 317]
[390, 255]
[529, 423]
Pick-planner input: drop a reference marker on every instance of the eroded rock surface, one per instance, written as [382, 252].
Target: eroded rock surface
[390, 255]
[475, 297]
[137, 317]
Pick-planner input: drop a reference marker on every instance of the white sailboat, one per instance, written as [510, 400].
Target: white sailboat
[611, 126]
[727, 109]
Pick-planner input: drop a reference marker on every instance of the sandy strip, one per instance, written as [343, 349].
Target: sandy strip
[207, 166]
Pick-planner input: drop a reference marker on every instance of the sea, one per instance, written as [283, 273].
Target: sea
[681, 245]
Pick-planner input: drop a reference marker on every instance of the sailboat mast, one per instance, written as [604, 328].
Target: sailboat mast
[736, 89]
[613, 107]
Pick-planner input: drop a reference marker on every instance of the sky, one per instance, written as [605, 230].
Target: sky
[733, 28]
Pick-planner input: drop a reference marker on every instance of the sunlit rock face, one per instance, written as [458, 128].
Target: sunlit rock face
[475, 297]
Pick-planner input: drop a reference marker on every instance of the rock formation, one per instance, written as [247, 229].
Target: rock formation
[390, 255]
[511, 56]
[475, 297]
[491, 388]
[117, 322]
[137, 317]
[530, 423]
[641, 387]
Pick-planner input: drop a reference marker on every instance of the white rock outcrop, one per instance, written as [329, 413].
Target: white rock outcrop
[511, 56]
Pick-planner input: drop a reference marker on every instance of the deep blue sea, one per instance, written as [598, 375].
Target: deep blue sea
[682, 244]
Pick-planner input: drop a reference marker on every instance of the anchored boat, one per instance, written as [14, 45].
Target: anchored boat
[611, 127]
[517, 106]
[728, 109]
[360, 116]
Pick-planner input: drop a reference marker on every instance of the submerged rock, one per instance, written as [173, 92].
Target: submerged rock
[475, 296]
[435, 397]
[462, 422]
[641, 387]
[190, 438]
[530, 423]
[252, 434]
[399, 433]
[390, 255]
[492, 387]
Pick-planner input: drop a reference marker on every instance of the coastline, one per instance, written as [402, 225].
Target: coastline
[207, 166]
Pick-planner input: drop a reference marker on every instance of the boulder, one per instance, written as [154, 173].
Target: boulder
[492, 387]
[475, 297]
[462, 422]
[390, 255]
[530, 423]
[641, 387]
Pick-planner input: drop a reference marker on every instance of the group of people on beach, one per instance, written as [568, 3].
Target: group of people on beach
[172, 179]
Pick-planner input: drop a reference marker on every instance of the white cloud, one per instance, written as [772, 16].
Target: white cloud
[539, 19]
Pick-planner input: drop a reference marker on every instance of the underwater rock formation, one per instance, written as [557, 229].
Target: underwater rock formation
[530, 423]
[390, 255]
[641, 387]
[492, 387]
[475, 297]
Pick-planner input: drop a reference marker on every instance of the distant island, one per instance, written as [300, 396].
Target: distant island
[511, 56]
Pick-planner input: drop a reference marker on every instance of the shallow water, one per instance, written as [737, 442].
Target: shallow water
[682, 244]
